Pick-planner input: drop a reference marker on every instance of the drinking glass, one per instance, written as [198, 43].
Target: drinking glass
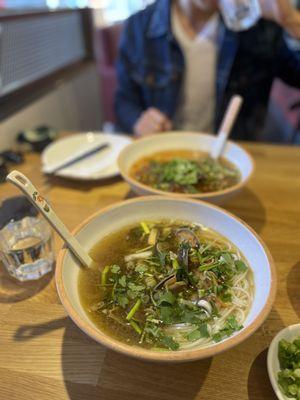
[240, 15]
[26, 248]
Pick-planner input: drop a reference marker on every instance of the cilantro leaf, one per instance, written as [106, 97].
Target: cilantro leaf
[166, 315]
[240, 266]
[201, 332]
[115, 269]
[166, 298]
[169, 342]
[122, 281]
[230, 327]
[122, 300]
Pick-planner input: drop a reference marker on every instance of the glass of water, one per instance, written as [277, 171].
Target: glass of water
[26, 248]
[240, 15]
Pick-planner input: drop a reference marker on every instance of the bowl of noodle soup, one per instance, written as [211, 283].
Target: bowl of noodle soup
[178, 164]
[174, 280]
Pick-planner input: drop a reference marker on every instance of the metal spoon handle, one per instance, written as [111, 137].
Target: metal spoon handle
[226, 126]
[23, 183]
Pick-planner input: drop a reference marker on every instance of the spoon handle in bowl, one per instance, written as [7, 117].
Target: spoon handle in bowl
[25, 185]
[226, 126]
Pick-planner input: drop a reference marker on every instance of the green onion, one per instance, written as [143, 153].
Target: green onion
[145, 228]
[175, 264]
[104, 275]
[135, 327]
[133, 310]
[207, 267]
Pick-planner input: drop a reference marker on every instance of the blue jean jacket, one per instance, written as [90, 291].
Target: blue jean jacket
[150, 69]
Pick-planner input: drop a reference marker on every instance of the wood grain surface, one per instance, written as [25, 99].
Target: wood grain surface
[44, 356]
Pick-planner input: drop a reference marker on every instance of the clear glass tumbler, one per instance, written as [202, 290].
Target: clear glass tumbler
[26, 248]
[240, 15]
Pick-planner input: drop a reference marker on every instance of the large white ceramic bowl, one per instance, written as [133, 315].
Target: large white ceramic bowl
[289, 333]
[184, 141]
[121, 215]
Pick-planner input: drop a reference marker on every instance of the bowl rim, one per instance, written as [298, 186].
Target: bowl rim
[168, 356]
[134, 182]
[272, 353]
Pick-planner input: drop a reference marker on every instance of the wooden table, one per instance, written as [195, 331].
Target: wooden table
[43, 355]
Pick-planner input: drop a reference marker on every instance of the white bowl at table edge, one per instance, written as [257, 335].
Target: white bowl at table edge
[122, 214]
[289, 333]
[184, 141]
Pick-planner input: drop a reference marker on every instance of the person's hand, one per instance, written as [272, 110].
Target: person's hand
[282, 12]
[151, 121]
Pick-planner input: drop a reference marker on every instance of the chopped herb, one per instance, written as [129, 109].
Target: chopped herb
[122, 300]
[141, 268]
[230, 327]
[167, 297]
[145, 228]
[289, 361]
[240, 266]
[135, 326]
[201, 332]
[166, 315]
[104, 275]
[122, 281]
[182, 175]
[170, 343]
[133, 310]
[115, 269]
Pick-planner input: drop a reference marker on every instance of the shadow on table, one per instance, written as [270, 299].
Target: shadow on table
[28, 332]
[81, 185]
[259, 385]
[13, 291]
[293, 280]
[249, 208]
[117, 377]
[131, 195]
[92, 372]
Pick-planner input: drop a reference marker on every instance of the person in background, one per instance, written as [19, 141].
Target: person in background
[179, 65]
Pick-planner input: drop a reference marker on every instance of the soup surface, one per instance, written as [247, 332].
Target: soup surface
[167, 285]
[185, 172]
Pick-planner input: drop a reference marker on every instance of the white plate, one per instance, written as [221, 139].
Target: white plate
[98, 166]
[290, 333]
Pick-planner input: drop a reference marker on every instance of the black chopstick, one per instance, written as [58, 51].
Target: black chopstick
[81, 157]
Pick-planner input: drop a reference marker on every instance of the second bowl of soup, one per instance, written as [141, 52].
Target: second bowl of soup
[179, 164]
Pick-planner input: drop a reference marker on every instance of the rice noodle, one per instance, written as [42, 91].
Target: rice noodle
[242, 295]
[136, 256]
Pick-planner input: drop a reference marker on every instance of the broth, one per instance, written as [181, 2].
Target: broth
[167, 285]
[184, 171]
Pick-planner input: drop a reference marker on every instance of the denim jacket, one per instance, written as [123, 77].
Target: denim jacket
[150, 69]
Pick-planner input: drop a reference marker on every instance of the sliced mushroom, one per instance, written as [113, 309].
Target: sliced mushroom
[205, 305]
[187, 235]
[152, 239]
[183, 254]
[162, 247]
[176, 286]
[170, 281]
[163, 281]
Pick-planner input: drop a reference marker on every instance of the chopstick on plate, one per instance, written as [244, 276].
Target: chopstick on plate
[83, 156]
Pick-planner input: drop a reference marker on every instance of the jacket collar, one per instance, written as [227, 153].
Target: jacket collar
[160, 23]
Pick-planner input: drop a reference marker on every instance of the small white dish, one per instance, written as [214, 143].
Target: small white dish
[98, 166]
[185, 141]
[290, 333]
